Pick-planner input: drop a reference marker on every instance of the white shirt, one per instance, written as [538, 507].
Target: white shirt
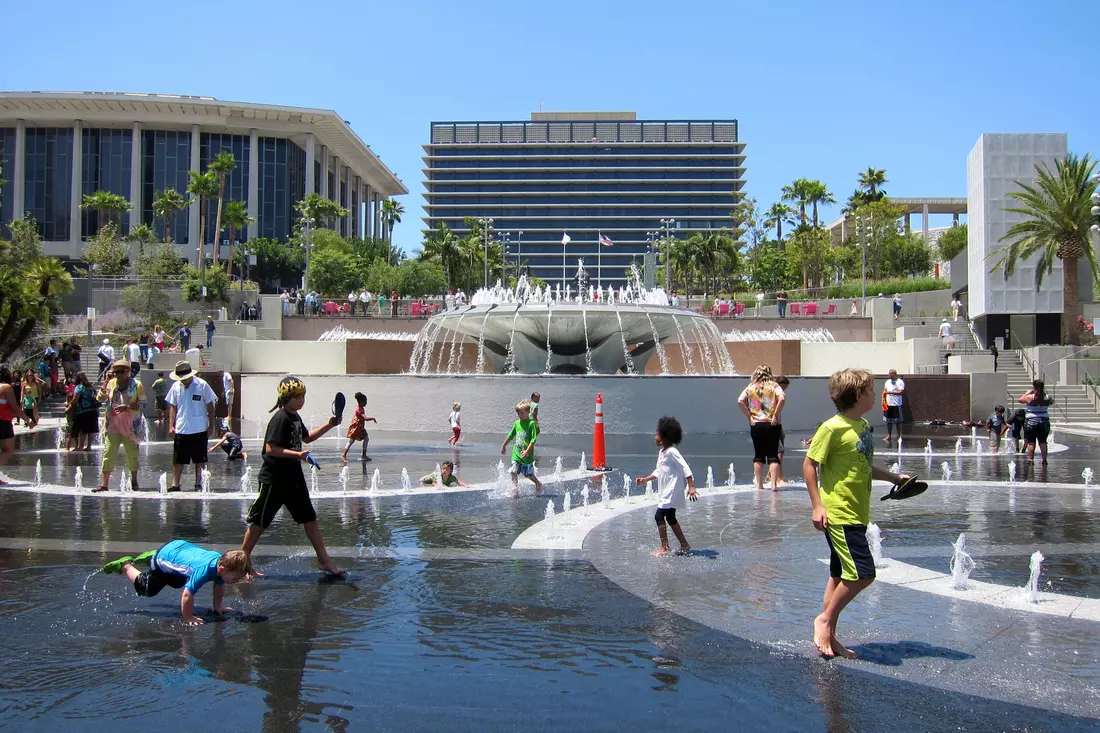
[364, 297]
[190, 403]
[158, 339]
[456, 419]
[945, 329]
[894, 385]
[449, 301]
[353, 296]
[676, 300]
[672, 473]
[227, 383]
[133, 353]
[759, 297]
[153, 351]
[460, 298]
[107, 352]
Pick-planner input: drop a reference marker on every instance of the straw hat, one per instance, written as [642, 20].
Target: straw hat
[182, 371]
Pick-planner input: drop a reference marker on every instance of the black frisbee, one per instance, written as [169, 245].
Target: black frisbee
[907, 489]
[338, 404]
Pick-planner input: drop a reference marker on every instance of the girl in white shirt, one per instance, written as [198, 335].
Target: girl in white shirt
[455, 419]
[672, 474]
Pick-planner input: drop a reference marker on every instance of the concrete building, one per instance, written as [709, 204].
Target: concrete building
[585, 174]
[923, 207]
[999, 306]
[55, 147]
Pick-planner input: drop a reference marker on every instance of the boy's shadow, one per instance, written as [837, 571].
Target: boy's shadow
[895, 653]
[708, 554]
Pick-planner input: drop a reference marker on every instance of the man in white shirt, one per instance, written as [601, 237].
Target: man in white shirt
[353, 298]
[133, 354]
[893, 393]
[460, 298]
[449, 300]
[106, 357]
[228, 392]
[190, 422]
[946, 337]
[364, 299]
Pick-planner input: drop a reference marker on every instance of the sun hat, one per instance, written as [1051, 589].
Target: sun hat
[121, 363]
[182, 371]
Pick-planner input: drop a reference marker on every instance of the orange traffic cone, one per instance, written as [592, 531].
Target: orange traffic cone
[599, 454]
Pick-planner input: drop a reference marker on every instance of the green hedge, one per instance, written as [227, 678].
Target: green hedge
[886, 287]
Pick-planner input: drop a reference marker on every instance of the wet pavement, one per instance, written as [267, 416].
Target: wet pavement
[440, 625]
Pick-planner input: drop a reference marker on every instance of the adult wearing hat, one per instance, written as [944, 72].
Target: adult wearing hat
[190, 422]
[106, 356]
[125, 398]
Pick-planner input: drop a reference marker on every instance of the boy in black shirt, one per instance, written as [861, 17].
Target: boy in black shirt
[231, 443]
[282, 482]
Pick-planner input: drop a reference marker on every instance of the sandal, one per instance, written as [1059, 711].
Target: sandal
[99, 488]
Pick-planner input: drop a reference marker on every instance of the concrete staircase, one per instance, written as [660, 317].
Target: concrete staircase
[1071, 402]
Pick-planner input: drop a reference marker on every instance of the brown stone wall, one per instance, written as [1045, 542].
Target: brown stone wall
[784, 357]
[377, 356]
[933, 397]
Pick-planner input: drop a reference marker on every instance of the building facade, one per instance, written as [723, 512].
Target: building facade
[585, 175]
[56, 147]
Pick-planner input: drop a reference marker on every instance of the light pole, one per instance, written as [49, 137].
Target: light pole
[308, 224]
[862, 222]
[487, 228]
[519, 255]
[666, 224]
[505, 239]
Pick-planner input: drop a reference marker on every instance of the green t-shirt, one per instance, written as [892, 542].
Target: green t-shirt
[525, 433]
[160, 388]
[845, 450]
[451, 480]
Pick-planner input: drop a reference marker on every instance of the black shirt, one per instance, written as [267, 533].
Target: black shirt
[232, 442]
[284, 430]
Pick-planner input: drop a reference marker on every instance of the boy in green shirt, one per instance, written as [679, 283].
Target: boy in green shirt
[525, 431]
[160, 393]
[843, 450]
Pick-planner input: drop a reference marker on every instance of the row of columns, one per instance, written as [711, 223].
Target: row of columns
[365, 222]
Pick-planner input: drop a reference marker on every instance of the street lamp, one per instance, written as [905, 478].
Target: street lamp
[506, 239]
[862, 222]
[308, 229]
[519, 255]
[666, 224]
[487, 228]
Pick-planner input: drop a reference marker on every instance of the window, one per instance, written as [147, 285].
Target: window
[282, 166]
[166, 161]
[236, 182]
[105, 167]
[49, 175]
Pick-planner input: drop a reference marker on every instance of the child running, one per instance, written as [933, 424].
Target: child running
[525, 432]
[180, 564]
[843, 450]
[446, 476]
[455, 421]
[231, 443]
[282, 482]
[672, 474]
[358, 428]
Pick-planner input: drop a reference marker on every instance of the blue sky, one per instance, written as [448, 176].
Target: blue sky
[821, 89]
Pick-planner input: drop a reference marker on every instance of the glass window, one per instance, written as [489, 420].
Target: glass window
[236, 182]
[282, 167]
[105, 167]
[49, 176]
[166, 162]
[7, 178]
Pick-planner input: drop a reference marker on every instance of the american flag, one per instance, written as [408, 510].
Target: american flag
[606, 240]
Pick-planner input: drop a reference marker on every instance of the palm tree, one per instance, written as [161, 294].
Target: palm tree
[391, 214]
[203, 186]
[165, 205]
[236, 217]
[871, 180]
[106, 204]
[30, 291]
[143, 235]
[318, 210]
[855, 201]
[777, 215]
[223, 165]
[1057, 210]
[799, 192]
[441, 245]
[818, 193]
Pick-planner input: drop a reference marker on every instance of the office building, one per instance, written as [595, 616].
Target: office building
[55, 147]
[585, 174]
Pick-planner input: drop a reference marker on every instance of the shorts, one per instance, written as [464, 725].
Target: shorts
[7, 431]
[190, 448]
[661, 515]
[849, 554]
[1037, 431]
[162, 404]
[892, 415]
[273, 498]
[153, 581]
[229, 399]
[457, 432]
[86, 423]
[765, 442]
[1016, 431]
[235, 453]
[110, 452]
[523, 469]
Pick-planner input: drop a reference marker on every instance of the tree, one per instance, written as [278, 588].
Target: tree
[871, 181]
[106, 252]
[222, 165]
[391, 214]
[767, 266]
[778, 215]
[857, 199]
[799, 192]
[277, 262]
[29, 285]
[143, 235]
[442, 247]
[319, 211]
[1057, 216]
[203, 186]
[165, 205]
[215, 281]
[333, 272]
[236, 218]
[148, 298]
[952, 242]
[105, 204]
[419, 278]
[818, 193]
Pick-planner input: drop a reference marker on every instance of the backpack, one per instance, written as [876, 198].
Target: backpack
[86, 401]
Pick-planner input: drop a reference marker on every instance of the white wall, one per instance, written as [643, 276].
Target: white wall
[631, 404]
[294, 357]
[970, 364]
[821, 360]
[926, 352]
[994, 164]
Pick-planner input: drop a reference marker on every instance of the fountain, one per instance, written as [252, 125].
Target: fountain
[899, 445]
[557, 468]
[606, 493]
[958, 446]
[961, 564]
[502, 474]
[1050, 437]
[732, 477]
[584, 462]
[584, 498]
[60, 439]
[648, 490]
[928, 447]
[626, 485]
[344, 479]
[946, 471]
[406, 482]
[895, 467]
[979, 446]
[1087, 476]
[710, 477]
[78, 478]
[162, 483]
[245, 478]
[566, 502]
[204, 479]
[38, 473]
[549, 516]
[375, 481]
[1036, 567]
[313, 471]
[874, 542]
[125, 482]
[1012, 472]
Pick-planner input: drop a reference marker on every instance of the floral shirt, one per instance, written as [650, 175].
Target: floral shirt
[761, 399]
[133, 395]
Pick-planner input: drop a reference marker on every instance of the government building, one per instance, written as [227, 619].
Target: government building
[55, 147]
[585, 175]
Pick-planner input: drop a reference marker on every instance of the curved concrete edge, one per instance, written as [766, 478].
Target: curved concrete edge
[903, 574]
[568, 530]
[56, 490]
[885, 454]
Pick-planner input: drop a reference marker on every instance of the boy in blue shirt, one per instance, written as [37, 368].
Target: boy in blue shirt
[180, 564]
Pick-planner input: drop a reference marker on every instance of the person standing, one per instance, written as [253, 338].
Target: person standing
[76, 354]
[228, 392]
[897, 306]
[67, 360]
[85, 410]
[159, 338]
[955, 307]
[993, 350]
[9, 410]
[133, 354]
[210, 328]
[781, 303]
[285, 298]
[893, 394]
[185, 337]
[53, 362]
[762, 403]
[1037, 426]
[190, 422]
[393, 303]
[125, 398]
[364, 301]
[106, 356]
[353, 298]
[759, 304]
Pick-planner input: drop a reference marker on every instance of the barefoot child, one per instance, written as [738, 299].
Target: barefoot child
[358, 428]
[784, 384]
[525, 431]
[231, 443]
[672, 474]
[842, 448]
[180, 564]
[997, 426]
[282, 482]
[446, 475]
[535, 398]
[455, 421]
